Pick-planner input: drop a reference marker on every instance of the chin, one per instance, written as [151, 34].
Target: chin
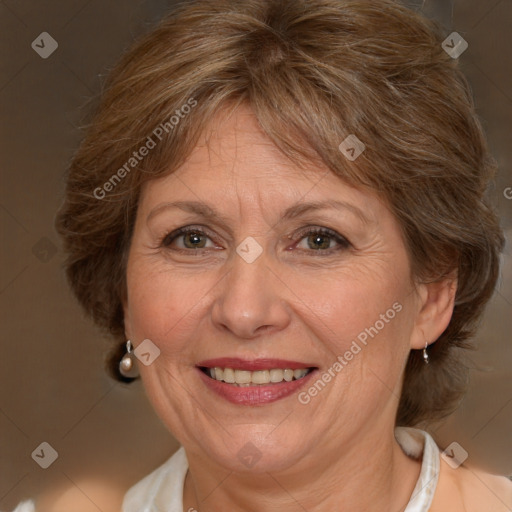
[253, 450]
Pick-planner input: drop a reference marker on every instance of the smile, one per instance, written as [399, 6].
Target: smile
[260, 377]
[254, 382]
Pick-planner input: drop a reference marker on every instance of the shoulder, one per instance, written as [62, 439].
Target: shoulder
[470, 489]
[484, 492]
[164, 484]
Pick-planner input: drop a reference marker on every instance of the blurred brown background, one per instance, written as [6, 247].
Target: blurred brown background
[54, 388]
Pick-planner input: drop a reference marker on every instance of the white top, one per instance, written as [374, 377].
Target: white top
[25, 506]
[162, 490]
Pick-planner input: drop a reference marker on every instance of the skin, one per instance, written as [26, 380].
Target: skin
[295, 302]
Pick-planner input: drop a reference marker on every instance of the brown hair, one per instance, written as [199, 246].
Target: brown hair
[313, 72]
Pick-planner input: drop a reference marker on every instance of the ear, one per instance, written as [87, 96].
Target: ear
[435, 308]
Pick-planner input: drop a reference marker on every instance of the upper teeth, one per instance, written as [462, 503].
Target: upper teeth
[246, 378]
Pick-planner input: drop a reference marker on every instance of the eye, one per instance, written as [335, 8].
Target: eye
[191, 238]
[188, 237]
[322, 240]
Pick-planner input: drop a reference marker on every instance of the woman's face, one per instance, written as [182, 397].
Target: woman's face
[280, 269]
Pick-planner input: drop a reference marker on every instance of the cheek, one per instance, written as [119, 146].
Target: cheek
[366, 318]
[348, 306]
[163, 305]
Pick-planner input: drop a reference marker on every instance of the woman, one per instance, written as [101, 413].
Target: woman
[280, 204]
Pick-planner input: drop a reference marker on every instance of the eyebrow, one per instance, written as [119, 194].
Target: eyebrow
[292, 212]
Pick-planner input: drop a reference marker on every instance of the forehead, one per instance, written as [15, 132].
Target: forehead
[234, 148]
[236, 165]
[233, 143]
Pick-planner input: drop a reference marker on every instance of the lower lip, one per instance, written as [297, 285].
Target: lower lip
[254, 395]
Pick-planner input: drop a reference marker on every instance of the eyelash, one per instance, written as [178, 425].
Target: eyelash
[343, 243]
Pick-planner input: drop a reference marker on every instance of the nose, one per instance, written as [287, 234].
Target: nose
[251, 300]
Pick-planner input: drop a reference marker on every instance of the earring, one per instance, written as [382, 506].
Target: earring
[425, 355]
[127, 365]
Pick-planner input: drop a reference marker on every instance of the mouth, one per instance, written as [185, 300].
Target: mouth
[254, 382]
[244, 378]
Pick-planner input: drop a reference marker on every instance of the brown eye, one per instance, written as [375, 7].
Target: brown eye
[319, 241]
[194, 240]
[187, 238]
[322, 240]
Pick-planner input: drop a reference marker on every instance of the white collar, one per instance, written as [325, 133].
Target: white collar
[416, 443]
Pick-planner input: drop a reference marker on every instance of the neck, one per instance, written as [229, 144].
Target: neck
[368, 473]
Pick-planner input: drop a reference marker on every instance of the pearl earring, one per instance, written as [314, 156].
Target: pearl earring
[127, 365]
[425, 355]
